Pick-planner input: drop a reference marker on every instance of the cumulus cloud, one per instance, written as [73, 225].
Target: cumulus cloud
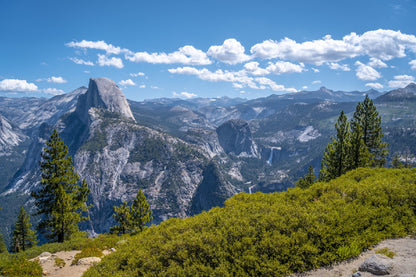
[230, 52]
[305, 87]
[239, 79]
[99, 45]
[56, 80]
[254, 69]
[137, 74]
[53, 91]
[365, 72]
[316, 82]
[127, 82]
[379, 44]
[103, 60]
[337, 66]
[81, 61]
[185, 55]
[184, 94]
[413, 64]
[374, 85]
[16, 85]
[401, 81]
[142, 86]
[315, 70]
[377, 63]
[281, 67]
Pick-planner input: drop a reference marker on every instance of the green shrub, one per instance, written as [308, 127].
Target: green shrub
[275, 234]
[87, 252]
[386, 252]
[59, 262]
[19, 267]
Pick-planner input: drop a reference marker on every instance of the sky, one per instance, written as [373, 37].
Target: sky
[186, 49]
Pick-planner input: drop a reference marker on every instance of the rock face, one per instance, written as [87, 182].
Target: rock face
[377, 264]
[235, 137]
[103, 93]
[8, 136]
[212, 191]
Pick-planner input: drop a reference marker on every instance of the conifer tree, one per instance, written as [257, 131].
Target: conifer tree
[23, 236]
[122, 216]
[140, 212]
[60, 199]
[307, 180]
[359, 154]
[396, 162]
[367, 117]
[336, 160]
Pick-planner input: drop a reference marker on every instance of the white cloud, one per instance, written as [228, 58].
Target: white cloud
[127, 82]
[53, 91]
[413, 64]
[103, 60]
[81, 61]
[374, 85]
[154, 87]
[254, 69]
[401, 81]
[137, 74]
[337, 66]
[377, 63]
[142, 86]
[56, 80]
[380, 44]
[315, 70]
[267, 82]
[99, 45]
[231, 52]
[365, 72]
[16, 85]
[316, 82]
[305, 87]
[185, 55]
[184, 94]
[281, 67]
[87, 71]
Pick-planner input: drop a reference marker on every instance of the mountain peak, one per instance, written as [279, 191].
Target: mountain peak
[410, 87]
[103, 93]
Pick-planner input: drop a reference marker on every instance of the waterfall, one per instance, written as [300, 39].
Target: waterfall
[270, 160]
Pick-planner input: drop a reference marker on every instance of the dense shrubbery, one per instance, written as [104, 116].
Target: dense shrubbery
[275, 234]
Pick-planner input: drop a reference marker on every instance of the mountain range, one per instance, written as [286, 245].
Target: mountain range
[186, 155]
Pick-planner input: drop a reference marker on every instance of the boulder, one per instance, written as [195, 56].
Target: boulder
[377, 264]
[89, 261]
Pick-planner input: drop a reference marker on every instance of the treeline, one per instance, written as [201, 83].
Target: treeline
[275, 234]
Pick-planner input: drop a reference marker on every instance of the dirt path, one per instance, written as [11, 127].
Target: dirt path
[404, 262]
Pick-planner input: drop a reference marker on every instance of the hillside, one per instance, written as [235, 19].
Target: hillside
[275, 234]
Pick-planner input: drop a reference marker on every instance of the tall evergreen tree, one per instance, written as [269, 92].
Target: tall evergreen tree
[134, 218]
[122, 216]
[140, 212]
[307, 180]
[336, 160]
[60, 199]
[359, 154]
[367, 117]
[23, 236]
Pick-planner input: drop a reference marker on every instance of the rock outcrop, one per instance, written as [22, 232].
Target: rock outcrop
[103, 93]
[235, 137]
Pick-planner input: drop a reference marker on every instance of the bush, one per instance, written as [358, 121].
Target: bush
[19, 267]
[59, 262]
[275, 234]
[386, 252]
[87, 252]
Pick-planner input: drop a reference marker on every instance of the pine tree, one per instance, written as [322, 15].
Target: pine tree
[359, 154]
[140, 212]
[396, 162]
[122, 216]
[307, 180]
[23, 236]
[367, 117]
[60, 199]
[336, 160]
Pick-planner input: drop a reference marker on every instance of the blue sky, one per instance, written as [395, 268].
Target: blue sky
[246, 49]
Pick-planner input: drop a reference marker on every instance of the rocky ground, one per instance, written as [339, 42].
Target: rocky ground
[403, 262]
